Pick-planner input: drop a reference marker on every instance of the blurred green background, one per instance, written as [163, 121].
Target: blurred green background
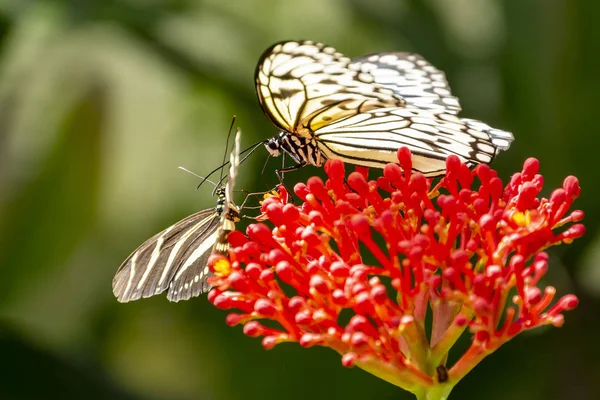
[101, 101]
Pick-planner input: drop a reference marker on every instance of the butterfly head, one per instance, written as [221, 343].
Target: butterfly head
[273, 146]
[292, 145]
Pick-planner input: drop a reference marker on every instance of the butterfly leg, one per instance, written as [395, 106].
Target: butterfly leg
[280, 172]
[257, 207]
[248, 197]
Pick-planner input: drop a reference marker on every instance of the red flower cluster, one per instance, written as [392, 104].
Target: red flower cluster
[388, 250]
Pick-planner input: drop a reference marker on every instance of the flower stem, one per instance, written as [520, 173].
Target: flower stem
[439, 392]
[410, 379]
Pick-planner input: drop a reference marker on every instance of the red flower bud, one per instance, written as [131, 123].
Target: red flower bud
[359, 264]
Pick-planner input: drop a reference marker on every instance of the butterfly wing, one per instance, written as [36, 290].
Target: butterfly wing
[412, 77]
[231, 214]
[234, 162]
[190, 280]
[373, 138]
[304, 85]
[181, 249]
[344, 107]
[191, 277]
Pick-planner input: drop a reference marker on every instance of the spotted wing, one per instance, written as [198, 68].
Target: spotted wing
[373, 138]
[304, 85]
[179, 252]
[412, 77]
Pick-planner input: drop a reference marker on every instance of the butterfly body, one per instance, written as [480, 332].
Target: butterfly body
[363, 110]
[302, 150]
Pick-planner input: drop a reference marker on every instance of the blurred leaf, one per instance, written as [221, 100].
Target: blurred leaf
[588, 274]
[56, 210]
[35, 373]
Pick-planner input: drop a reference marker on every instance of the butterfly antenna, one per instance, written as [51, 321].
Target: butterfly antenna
[196, 175]
[210, 173]
[253, 147]
[225, 161]
[249, 150]
[227, 151]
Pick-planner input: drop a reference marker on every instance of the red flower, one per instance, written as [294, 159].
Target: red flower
[388, 249]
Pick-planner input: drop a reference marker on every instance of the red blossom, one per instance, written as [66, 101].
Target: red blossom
[469, 248]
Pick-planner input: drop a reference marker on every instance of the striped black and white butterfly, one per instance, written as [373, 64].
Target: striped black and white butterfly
[363, 110]
[176, 258]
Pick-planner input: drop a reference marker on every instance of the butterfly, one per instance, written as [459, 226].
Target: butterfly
[176, 259]
[363, 110]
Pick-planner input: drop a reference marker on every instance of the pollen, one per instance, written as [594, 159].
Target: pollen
[522, 218]
[222, 267]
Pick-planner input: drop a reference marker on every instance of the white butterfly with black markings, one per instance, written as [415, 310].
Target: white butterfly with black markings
[176, 258]
[363, 110]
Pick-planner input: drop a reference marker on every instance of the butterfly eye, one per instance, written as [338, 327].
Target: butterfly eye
[273, 146]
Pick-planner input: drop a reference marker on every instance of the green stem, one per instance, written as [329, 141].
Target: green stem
[416, 340]
[438, 392]
[409, 379]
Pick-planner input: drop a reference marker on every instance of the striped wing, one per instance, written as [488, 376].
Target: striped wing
[373, 138]
[177, 258]
[412, 77]
[179, 253]
[190, 282]
[304, 85]
[231, 214]
[234, 162]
